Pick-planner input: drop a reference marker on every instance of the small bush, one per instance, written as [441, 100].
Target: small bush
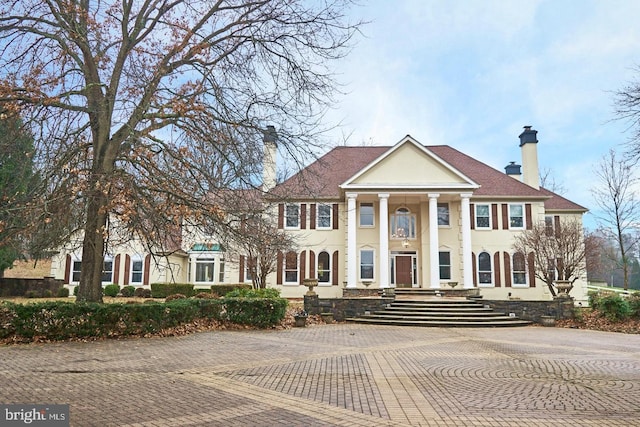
[32, 294]
[47, 293]
[142, 293]
[205, 295]
[111, 290]
[128, 291]
[163, 290]
[612, 306]
[75, 290]
[222, 290]
[63, 292]
[175, 297]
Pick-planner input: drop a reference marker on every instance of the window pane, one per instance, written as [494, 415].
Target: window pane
[366, 265]
[221, 274]
[516, 218]
[323, 267]
[204, 270]
[292, 215]
[136, 272]
[324, 216]
[77, 266]
[107, 272]
[484, 268]
[443, 214]
[366, 214]
[291, 268]
[445, 265]
[482, 216]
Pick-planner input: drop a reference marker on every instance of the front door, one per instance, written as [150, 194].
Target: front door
[404, 278]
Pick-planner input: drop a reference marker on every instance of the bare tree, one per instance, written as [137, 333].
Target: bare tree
[130, 101]
[559, 252]
[619, 207]
[548, 181]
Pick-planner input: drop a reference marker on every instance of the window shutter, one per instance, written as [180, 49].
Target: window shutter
[302, 267]
[312, 216]
[303, 216]
[472, 215]
[334, 269]
[556, 224]
[496, 268]
[241, 269]
[507, 270]
[116, 270]
[505, 216]
[494, 216]
[531, 270]
[67, 269]
[279, 269]
[475, 272]
[147, 268]
[280, 216]
[335, 216]
[527, 209]
[127, 269]
[312, 265]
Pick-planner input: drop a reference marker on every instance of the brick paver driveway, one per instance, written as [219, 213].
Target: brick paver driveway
[337, 375]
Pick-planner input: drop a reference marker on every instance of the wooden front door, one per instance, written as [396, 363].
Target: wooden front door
[404, 278]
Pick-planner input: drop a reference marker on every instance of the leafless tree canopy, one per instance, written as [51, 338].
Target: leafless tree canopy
[143, 109]
[618, 203]
[559, 252]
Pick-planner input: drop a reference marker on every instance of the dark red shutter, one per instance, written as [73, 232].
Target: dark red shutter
[281, 216]
[507, 270]
[472, 215]
[279, 271]
[302, 267]
[496, 269]
[474, 269]
[494, 216]
[312, 216]
[532, 270]
[241, 269]
[147, 268]
[505, 217]
[334, 268]
[312, 265]
[116, 270]
[127, 269]
[303, 216]
[335, 216]
[67, 269]
[527, 209]
[556, 224]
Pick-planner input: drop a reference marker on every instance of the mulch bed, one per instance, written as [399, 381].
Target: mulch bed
[593, 320]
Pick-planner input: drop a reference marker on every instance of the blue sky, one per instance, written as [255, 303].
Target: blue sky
[470, 74]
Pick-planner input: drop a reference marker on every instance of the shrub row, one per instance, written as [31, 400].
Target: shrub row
[56, 320]
[615, 307]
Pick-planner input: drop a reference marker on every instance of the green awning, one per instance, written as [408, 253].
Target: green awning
[207, 247]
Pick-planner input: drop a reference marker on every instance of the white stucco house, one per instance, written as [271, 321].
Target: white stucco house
[406, 215]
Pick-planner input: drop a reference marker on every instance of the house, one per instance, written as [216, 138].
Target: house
[406, 215]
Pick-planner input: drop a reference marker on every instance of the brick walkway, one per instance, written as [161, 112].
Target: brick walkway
[337, 375]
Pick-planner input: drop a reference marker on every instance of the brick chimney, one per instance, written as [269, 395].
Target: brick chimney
[529, 150]
[270, 139]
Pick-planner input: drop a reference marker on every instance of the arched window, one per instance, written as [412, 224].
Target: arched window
[324, 267]
[485, 275]
[519, 269]
[403, 224]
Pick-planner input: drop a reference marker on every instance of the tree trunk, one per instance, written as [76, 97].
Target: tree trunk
[90, 289]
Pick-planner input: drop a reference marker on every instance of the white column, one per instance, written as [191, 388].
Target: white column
[467, 261]
[192, 270]
[434, 246]
[384, 241]
[352, 259]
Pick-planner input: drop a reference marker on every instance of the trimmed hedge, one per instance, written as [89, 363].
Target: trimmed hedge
[163, 290]
[259, 307]
[127, 291]
[222, 290]
[63, 320]
[111, 290]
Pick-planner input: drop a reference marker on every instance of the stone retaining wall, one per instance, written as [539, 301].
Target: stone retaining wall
[342, 308]
[17, 287]
[559, 308]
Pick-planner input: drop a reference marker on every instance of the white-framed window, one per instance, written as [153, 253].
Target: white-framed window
[485, 273]
[367, 264]
[551, 268]
[519, 269]
[324, 216]
[137, 267]
[248, 269]
[205, 268]
[367, 215]
[324, 267]
[548, 225]
[76, 270]
[291, 268]
[221, 270]
[444, 258]
[292, 215]
[403, 224]
[516, 216]
[107, 270]
[483, 216]
[443, 215]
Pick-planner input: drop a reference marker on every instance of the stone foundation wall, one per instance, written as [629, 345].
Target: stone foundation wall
[559, 308]
[342, 308]
[16, 287]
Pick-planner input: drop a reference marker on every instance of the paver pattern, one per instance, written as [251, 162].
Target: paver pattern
[337, 375]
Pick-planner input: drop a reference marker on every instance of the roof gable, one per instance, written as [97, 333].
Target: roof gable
[409, 164]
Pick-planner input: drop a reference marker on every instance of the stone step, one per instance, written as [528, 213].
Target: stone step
[510, 322]
[442, 313]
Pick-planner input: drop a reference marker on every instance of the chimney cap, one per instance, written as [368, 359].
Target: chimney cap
[270, 134]
[528, 135]
[513, 169]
